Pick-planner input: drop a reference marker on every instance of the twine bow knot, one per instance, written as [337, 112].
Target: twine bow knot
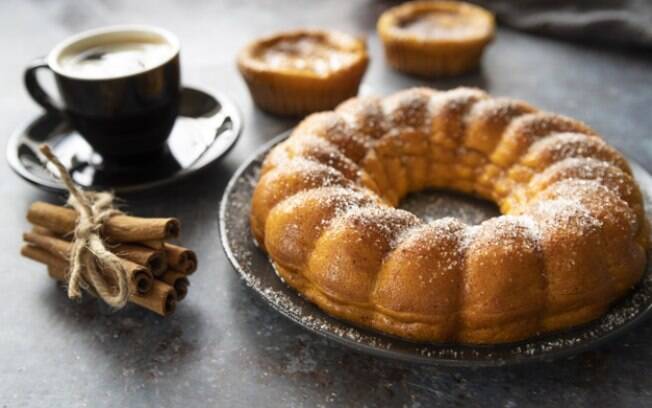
[92, 266]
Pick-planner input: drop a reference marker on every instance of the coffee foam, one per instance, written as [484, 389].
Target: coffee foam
[113, 54]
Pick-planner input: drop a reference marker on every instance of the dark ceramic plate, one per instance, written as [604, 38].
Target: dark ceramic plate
[258, 273]
[208, 126]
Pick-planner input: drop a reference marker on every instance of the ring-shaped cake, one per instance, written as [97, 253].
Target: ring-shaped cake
[572, 238]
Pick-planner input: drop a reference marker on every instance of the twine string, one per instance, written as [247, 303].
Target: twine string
[92, 266]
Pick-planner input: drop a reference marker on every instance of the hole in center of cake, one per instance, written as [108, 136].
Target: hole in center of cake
[430, 205]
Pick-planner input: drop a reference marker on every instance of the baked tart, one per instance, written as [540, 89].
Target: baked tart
[435, 38]
[300, 72]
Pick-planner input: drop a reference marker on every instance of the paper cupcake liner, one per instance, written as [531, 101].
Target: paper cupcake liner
[297, 93]
[430, 61]
[288, 97]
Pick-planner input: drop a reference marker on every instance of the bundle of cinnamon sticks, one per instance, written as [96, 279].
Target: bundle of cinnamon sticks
[157, 270]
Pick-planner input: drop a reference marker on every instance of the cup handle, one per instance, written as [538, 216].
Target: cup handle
[34, 88]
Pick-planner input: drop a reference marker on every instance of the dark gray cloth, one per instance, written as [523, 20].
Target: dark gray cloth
[615, 22]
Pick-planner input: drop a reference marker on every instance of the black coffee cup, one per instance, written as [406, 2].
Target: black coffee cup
[126, 110]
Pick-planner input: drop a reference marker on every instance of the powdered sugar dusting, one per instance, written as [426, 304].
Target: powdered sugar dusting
[364, 115]
[603, 172]
[431, 205]
[559, 146]
[550, 214]
[409, 109]
[497, 111]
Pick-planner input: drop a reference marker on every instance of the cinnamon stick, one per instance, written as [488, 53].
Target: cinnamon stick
[178, 281]
[58, 273]
[161, 299]
[119, 228]
[140, 277]
[156, 261]
[154, 244]
[181, 259]
[44, 231]
[42, 256]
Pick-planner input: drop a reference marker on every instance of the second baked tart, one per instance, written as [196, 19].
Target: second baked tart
[435, 38]
[304, 71]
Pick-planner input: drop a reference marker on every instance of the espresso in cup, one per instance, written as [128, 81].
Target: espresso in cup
[119, 86]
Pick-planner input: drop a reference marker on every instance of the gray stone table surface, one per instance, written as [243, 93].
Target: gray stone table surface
[223, 346]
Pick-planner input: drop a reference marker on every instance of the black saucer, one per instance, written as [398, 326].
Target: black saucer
[208, 125]
[257, 272]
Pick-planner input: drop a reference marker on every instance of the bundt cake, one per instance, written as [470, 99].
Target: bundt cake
[572, 238]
